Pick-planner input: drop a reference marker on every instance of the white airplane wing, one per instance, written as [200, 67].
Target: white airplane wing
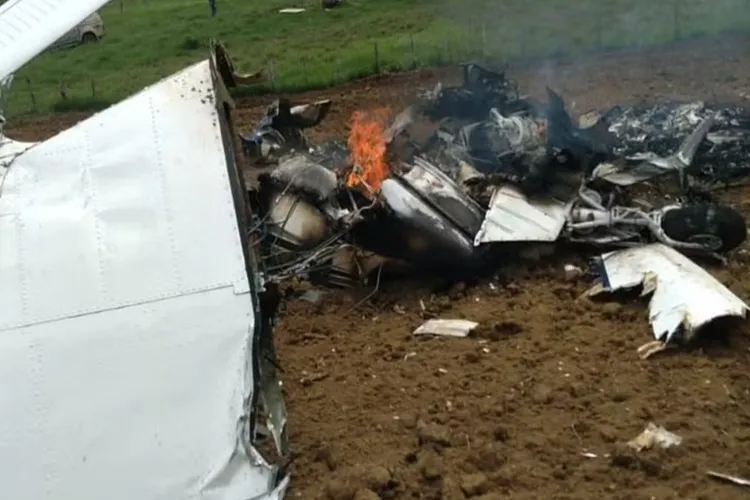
[132, 354]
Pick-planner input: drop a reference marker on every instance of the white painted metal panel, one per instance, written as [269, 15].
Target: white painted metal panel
[684, 294]
[513, 217]
[129, 189]
[28, 27]
[140, 402]
[127, 323]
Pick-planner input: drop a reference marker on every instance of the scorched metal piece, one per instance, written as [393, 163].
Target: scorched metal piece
[444, 195]
[649, 165]
[430, 237]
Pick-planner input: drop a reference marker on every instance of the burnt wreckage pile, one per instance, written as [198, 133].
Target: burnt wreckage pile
[468, 168]
[468, 171]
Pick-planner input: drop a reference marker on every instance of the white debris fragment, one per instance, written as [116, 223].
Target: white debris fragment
[650, 348]
[731, 479]
[652, 436]
[291, 10]
[589, 455]
[313, 296]
[572, 272]
[446, 327]
[409, 355]
[684, 295]
[589, 119]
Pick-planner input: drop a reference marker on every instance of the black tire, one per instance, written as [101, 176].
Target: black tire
[690, 223]
[88, 37]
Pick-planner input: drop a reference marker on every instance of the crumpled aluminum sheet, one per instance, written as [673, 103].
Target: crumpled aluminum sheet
[685, 296]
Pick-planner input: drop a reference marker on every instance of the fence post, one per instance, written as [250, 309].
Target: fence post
[271, 74]
[337, 77]
[304, 69]
[447, 50]
[377, 58]
[676, 19]
[93, 88]
[414, 64]
[31, 94]
[484, 40]
[63, 90]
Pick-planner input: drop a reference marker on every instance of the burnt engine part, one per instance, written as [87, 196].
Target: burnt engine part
[482, 89]
[281, 130]
[429, 222]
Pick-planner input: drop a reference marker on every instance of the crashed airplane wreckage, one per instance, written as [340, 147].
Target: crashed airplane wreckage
[136, 323]
[497, 168]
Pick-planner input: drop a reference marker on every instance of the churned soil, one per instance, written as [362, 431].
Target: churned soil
[538, 402]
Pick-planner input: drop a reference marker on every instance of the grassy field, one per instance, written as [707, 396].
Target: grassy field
[149, 39]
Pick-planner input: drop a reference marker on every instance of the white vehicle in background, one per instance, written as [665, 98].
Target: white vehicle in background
[89, 30]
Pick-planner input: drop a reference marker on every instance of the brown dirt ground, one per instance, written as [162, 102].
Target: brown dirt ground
[510, 411]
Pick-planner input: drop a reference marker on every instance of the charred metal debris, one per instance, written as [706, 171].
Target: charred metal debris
[467, 170]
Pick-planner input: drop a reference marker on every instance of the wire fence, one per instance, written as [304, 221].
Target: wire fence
[542, 36]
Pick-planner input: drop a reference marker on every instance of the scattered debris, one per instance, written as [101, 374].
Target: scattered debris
[654, 436]
[660, 128]
[309, 378]
[731, 479]
[446, 327]
[498, 169]
[313, 296]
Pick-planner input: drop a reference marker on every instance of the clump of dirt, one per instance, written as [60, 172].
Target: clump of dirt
[537, 401]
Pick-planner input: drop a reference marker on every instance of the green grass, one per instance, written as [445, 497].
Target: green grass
[149, 39]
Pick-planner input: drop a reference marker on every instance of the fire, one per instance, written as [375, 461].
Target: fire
[367, 150]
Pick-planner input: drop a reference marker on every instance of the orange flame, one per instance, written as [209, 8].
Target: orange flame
[367, 150]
